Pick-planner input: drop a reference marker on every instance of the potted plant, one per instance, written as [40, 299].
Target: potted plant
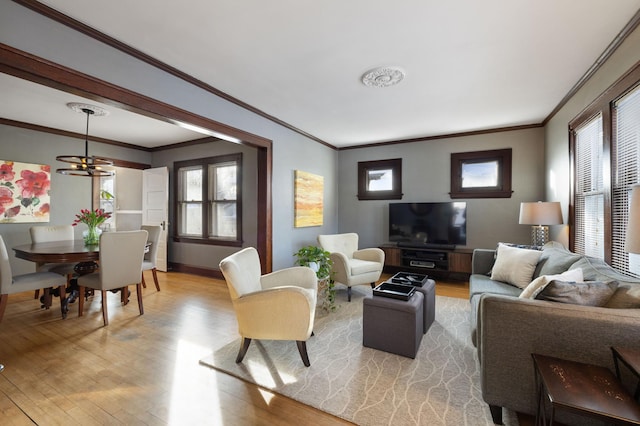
[319, 260]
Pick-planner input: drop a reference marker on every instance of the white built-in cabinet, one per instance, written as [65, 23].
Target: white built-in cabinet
[121, 194]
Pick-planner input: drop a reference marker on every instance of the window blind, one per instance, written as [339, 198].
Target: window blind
[589, 190]
[625, 152]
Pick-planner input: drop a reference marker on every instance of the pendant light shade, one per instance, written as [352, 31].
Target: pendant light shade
[85, 165]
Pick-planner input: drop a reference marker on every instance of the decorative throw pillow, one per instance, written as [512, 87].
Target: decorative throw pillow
[538, 284]
[588, 293]
[515, 266]
[555, 259]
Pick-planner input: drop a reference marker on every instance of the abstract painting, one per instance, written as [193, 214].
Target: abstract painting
[24, 192]
[308, 194]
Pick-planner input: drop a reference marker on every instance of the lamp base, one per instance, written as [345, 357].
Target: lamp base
[539, 235]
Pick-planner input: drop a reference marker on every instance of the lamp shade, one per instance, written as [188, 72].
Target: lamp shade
[632, 240]
[541, 213]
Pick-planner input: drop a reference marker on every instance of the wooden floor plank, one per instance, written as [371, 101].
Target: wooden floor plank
[139, 369]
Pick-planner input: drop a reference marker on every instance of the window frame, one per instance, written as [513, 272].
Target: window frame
[366, 167]
[503, 187]
[208, 202]
[603, 105]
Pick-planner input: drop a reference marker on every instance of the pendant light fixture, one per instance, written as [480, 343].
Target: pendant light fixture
[86, 165]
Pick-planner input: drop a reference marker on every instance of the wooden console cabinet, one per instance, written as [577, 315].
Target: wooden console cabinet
[450, 264]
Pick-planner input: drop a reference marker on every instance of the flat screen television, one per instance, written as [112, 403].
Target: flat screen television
[439, 225]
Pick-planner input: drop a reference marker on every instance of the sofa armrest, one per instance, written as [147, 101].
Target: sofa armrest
[511, 329]
[482, 261]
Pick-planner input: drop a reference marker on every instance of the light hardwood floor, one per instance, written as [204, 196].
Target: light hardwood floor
[137, 370]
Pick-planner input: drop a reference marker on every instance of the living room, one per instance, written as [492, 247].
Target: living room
[541, 163]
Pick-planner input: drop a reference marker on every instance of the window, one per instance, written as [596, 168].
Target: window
[380, 180]
[481, 174]
[605, 150]
[208, 200]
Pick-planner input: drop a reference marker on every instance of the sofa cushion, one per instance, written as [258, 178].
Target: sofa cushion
[555, 259]
[589, 293]
[626, 296]
[515, 266]
[480, 284]
[539, 284]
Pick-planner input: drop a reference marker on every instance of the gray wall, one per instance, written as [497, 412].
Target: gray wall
[207, 256]
[68, 194]
[557, 131]
[426, 177]
[30, 32]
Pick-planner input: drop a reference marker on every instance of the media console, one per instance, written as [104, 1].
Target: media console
[437, 262]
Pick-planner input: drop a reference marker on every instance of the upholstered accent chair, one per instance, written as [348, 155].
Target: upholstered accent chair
[350, 265]
[46, 233]
[11, 284]
[149, 263]
[121, 255]
[276, 306]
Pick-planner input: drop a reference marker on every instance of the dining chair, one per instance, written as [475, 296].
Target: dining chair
[149, 263]
[44, 234]
[121, 256]
[11, 284]
[276, 306]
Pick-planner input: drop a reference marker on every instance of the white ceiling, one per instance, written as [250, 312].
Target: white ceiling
[470, 65]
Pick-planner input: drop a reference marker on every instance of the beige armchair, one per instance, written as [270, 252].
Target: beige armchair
[350, 265]
[276, 306]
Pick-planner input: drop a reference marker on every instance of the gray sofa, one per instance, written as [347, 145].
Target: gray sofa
[506, 329]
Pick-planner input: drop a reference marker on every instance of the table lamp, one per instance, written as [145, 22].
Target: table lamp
[540, 215]
[632, 239]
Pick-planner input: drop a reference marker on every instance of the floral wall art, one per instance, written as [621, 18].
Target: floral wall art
[24, 192]
[308, 194]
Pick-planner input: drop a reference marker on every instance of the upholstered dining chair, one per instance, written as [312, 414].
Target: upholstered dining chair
[11, 284]
[121, 255]
[44, 234]
[149, 263]
[276, 306]
[350, 265]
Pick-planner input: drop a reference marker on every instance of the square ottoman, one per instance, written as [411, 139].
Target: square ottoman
[428, 290]
[393, 325]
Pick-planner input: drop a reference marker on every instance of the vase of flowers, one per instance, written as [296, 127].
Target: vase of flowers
[93, 219]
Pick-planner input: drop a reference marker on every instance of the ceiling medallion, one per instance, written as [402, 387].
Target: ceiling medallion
[96, 111]
[383, 77]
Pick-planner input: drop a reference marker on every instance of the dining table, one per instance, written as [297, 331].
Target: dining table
[69, 251]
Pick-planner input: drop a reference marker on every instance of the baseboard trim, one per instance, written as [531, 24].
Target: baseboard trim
[195, 270]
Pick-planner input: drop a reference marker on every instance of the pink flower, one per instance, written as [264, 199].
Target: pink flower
[6, 171]
[33, 184]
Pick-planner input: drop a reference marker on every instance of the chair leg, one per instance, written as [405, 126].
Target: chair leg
[349, 294]
[139, 294]
[64, 302]
[144, 284]
[154, 271]
[80, 300]
[36, 294]
[373, 285]
[3, 304]
[243, 349]
[105, 315]
[302, 348]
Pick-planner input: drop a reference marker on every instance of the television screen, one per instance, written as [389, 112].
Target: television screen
[428, 224]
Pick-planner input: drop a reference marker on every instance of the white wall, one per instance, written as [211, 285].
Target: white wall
[558, 175]
[426, 177]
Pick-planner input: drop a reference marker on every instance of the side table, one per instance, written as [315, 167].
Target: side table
[589, 390]
[630, 358]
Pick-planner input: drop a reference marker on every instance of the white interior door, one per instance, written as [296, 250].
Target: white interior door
[155, 205]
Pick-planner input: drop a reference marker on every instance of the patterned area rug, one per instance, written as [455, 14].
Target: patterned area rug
[370, 387]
